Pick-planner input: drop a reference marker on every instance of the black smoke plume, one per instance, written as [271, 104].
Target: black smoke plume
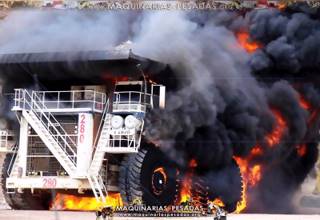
[222, 101]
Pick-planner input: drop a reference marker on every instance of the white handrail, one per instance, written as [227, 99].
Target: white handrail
[4, 138]
[63, 136]
[12, 159]
[129, 97]
[54, 99]
[33, 104]
[102, 121]
[131, 101]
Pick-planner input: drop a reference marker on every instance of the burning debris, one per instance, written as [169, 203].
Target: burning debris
[84, 203]
[244, 41]
[241, 125]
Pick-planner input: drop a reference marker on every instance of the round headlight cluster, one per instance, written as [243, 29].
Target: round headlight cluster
[116, 121]
[130, 122]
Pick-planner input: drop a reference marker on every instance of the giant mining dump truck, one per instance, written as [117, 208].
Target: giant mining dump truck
[79, 129]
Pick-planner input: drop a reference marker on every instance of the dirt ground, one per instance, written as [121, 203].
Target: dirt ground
[36, 215]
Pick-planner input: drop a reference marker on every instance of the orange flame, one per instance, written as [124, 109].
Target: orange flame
[252, 172]
[185, 192]
[301, 150]
[218, 202]
[304, 104]
[193, 163]
[314, 113]
[275, 136]
[243, 203]
[282, 6]
[73, 202]
[243, 165]
[256, 151]
[244, 41]
[250, 175]
[109, 76]
[255, 173]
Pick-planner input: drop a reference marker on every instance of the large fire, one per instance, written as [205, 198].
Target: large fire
[73, 202]
[246, 43]
[242, 205]
[251, 171]
[185, 191]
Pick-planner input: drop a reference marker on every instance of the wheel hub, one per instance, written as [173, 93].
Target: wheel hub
[159, 180]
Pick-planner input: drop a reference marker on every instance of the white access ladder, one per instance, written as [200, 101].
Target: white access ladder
[98, 188]
[95, 179]
[109, 142]
[13, 168]
[48, 129]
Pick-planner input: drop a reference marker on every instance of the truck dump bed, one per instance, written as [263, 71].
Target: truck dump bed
[80, 66]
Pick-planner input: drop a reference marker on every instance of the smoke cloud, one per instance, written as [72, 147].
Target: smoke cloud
[222, 104]
[57, 31]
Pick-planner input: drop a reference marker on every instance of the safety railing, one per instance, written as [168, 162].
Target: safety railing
[7, 140]
[126, 140]
[68, 100]
[12, 159]
[34, 103]
[103, 119]
[132, 101]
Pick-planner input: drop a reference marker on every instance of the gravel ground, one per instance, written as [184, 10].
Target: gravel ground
[36, 215]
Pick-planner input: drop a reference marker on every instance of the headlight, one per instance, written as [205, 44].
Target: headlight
[116, 121]
[131, 122]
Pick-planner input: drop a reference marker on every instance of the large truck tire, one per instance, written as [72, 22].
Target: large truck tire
[149, 177]
[4, 170]
[25, 200]
[124, 182]
[227, 185]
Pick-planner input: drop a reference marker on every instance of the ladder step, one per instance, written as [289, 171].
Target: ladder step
[10, 191]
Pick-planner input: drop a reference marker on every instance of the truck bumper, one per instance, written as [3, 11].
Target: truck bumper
[50, 182]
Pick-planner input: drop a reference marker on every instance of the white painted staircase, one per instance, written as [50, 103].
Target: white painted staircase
[95, 180]
[106, 144]
[101, 146]
[49, 130]
[61, 151]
